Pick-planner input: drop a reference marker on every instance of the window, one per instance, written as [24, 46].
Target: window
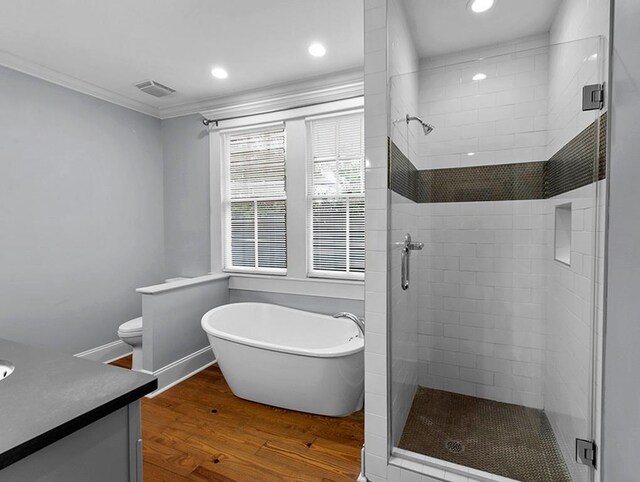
[255, 200]
[335, 194]
[291, 195]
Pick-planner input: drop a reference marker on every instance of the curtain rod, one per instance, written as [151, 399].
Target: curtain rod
[208, 122]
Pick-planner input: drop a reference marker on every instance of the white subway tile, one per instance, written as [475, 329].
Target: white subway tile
[375, 383]
[490, 363]
[460, 386]
[476, 264]
[499, 394]
[480, 377]
[528, 399]
[375, 363]
[459, 359]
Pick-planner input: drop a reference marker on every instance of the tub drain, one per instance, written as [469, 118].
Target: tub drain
[454, 446]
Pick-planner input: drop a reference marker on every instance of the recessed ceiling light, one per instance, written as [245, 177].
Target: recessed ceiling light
[480, 6]
[317, 49]
[471, 153]
[479, 76]
[219, 73]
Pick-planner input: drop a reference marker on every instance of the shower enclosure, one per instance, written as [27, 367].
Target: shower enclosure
[495, 324]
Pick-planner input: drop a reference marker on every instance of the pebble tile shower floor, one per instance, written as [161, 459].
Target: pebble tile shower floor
[500, 438]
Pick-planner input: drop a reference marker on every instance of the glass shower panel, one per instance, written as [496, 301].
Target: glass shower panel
[493, 345]
[405, 219]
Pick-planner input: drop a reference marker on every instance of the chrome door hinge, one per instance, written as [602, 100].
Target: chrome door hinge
[593, 97]
[586, 452]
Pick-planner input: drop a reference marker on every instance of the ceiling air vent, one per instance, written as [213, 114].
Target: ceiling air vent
[154, 88]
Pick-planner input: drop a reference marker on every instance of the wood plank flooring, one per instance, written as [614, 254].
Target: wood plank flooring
[199, 431]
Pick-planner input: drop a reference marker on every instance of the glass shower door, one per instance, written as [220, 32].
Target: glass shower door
[493, 345]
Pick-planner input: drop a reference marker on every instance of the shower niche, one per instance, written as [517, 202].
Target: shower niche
[493, 347]
[563, 234]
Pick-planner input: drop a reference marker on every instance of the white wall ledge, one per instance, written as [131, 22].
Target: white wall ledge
[329, 288]
[182, 283]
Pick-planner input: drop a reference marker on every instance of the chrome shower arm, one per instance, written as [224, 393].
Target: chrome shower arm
[426, 127]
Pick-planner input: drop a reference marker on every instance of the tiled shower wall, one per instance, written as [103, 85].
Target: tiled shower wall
[571, 312]
[403, 82]
[572, 291]
[380, 38]
[376, 198]
[500, 318]
[572, 65]
[404, 215]
[482, 321]
[502, 119]
[482, 316]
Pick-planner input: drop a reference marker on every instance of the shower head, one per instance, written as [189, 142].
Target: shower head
[426, 127]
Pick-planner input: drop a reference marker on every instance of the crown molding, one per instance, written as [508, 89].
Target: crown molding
[35, 70]
[328, 88]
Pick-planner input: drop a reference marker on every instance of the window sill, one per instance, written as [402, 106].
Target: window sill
[254, 272]
[326, 276]
[329, 288]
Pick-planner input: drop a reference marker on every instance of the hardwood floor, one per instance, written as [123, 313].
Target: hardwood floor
[199, 431]
[123, 362]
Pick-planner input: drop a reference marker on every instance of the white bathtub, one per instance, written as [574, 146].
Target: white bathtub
[288, 358]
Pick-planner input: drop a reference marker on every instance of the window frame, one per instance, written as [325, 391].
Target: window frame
[309, 165]
[292, 112]
[225, 202]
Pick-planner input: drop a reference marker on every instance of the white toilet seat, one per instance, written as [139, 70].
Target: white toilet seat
[130, 332]
[130, 328]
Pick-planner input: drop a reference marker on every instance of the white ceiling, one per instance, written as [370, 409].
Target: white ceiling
[109, 45]
[444, 26]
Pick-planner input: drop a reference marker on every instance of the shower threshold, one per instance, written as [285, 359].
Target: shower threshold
[499, 438]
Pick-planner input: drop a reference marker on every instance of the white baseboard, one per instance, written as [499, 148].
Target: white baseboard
[182, 369]
[361, 476]
[107, 353]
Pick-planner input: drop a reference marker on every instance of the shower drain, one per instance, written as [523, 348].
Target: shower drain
[454, 446]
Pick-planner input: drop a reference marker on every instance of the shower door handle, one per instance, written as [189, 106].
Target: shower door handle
[405, 257]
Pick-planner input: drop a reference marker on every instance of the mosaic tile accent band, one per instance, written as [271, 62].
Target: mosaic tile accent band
[502, 182]
[571, 167]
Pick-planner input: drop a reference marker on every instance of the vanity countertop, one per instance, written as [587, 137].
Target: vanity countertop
[51, 395]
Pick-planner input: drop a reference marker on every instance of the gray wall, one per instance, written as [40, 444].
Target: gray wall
[81, 214]
[316, 304]
[185, 144]
[621, 405]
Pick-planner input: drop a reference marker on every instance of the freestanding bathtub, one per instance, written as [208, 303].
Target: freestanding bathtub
[288, 358]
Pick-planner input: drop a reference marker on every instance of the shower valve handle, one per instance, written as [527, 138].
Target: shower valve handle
[410, 245]
[407, 246]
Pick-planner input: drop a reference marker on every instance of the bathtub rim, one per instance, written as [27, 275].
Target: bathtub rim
[353, 346]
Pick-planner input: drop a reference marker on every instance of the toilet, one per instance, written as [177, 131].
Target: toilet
[131, 333]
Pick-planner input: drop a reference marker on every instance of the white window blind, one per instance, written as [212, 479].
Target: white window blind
[336, 196]
[255, 200]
